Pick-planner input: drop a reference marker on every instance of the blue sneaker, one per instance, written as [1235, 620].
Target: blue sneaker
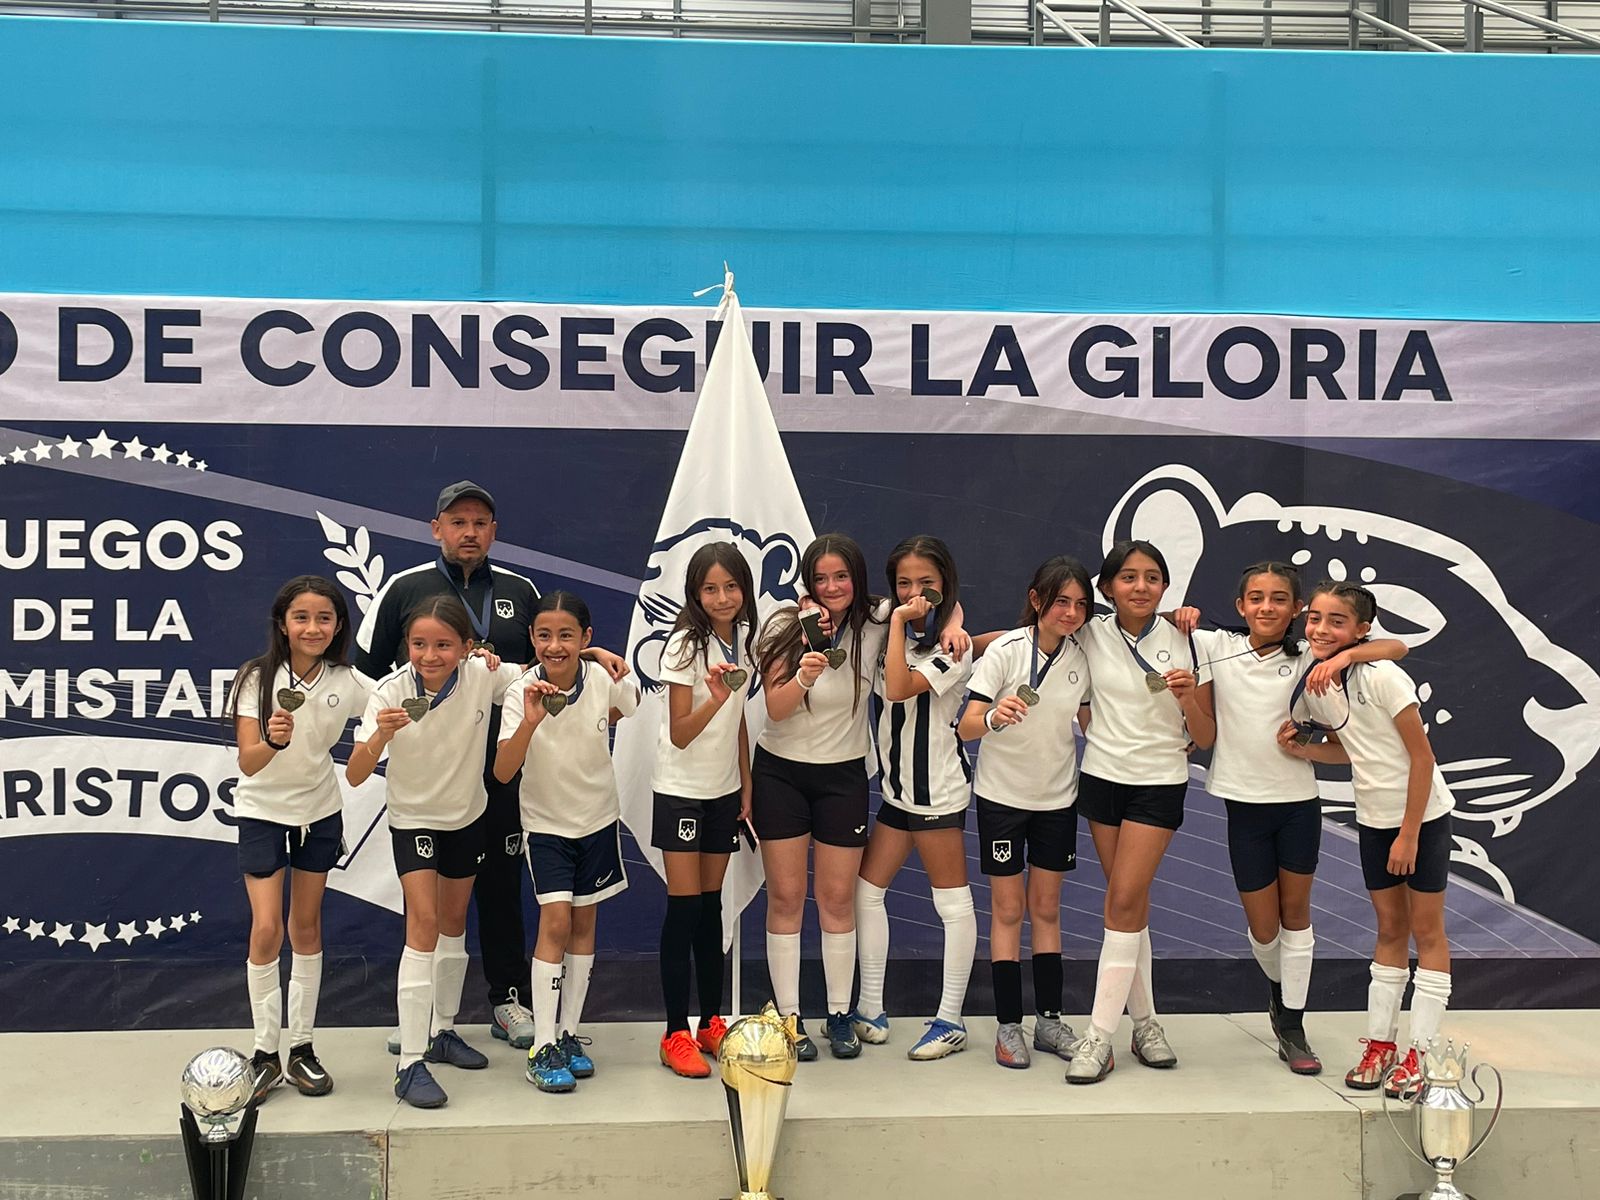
[579, 1063]
[872, 1030]
[842, 1040]
[942, 1038]
[547, 1069]
[416, 1087]
[448, 1048]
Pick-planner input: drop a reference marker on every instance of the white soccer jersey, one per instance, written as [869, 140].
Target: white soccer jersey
[922, 767]
[1033, 765]
[1374, 694]
[298, 785]
[1134, 737]
[569, 787]
[435, 772]
[1250, 694]
[707, 767]
[829, 726]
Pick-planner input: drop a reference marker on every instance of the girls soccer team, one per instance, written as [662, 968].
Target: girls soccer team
[1145, 686]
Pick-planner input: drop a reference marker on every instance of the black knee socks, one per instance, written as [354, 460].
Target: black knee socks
[708, 955]
[1007, 991]
[1046, 984]
[677, 937]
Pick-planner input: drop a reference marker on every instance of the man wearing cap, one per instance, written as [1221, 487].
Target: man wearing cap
[500, 605]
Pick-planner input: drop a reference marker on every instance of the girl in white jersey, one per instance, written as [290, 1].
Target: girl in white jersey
[1248, 681]
[1026, 691]
[289, 708]
[429, 716]
[556, 729]
[1135, 773]
[923, 773]
[1372, 721]
[702, 789]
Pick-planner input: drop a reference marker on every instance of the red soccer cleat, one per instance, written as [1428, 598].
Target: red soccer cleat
[712, 1030]
[1376, 1059]
[679, 1051]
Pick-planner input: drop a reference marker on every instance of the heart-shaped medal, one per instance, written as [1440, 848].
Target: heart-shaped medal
[1155, 682]
[416, 707]
[553, 702]
[933, 596]
[289, 699]
[835, 656]
[1028, 695]
[734, 680]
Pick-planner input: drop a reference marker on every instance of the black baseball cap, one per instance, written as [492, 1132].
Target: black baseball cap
[462, 489]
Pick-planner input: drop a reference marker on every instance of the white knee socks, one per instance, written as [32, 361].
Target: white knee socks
[576, 971]
[1429, 1000]
[1294, 956]
[838, 968]
[783, 966]
[1119, 963]
[266, 1004]
[954, 906]
[449, 974]
[1268, 955]
[305, 984]
[1383, 1001]
[414, 999]
[546, 1001]
[1142, 992]
[872, 942]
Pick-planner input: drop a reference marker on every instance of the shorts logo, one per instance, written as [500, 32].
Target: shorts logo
[604, 879]
[860, 829]
[686, 829]
[504, 608]
[480, 859]
[424, 846]
[1286, 670]
[513, 843]
[1000, 851]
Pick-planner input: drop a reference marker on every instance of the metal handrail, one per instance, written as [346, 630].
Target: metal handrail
[1044, 11]
[1149, 22]
[1405, 35]
[1516, 14]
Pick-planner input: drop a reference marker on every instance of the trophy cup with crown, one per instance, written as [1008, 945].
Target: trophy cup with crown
[1444, 1117]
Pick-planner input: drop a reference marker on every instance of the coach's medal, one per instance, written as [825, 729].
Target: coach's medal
[416, 707]
[1155, 682]
[1028, 695]
[289, 699]
[217, 1087]
[835, 656]
[757, 1063]
[735, 679]
[933, 596]
[553, 702]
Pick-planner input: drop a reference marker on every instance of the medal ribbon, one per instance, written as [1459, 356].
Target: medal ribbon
[444, 692]
[1311, 722]
[1035, 674]
[302, 683]
[730, 650]
[480, 619]
[577, 688]
[1133, 647]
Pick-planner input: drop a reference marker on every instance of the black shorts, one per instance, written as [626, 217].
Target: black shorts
[265, 847]
[1264, 839]
[896, 817]
[580, 871]
[454, 853]
[1108, 803]
[1049, 837]
[1433, 856]
[682, 825]
[825, 800]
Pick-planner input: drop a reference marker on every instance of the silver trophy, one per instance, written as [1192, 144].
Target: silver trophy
[757, 1062]
[217, 1086]
[1444, 1116]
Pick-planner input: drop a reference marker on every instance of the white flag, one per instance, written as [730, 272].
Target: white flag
[733, 484]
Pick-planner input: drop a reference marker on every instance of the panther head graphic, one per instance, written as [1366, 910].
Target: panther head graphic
[774, 565]
[1484, 659]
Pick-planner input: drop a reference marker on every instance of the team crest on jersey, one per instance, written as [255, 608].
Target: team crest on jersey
[333, 699]
[1163, 656]
[504, 608]
[686, 829]
[1000, 851]
[424, 846]
[1286, 670]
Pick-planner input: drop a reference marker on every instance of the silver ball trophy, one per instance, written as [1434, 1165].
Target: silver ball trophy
[1444, 1117]
[216, 1088]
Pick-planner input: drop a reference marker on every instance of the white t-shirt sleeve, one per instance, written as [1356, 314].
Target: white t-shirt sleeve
[989, 676]
[671, 671]
[942, 672]
[1206, 648]
[501, 680]
[369, 716]
[511, 712]
[1392, 690]
[624, 695]
[247, 695]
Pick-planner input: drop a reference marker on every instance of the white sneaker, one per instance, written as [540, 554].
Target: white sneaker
[943, 1037]
[1092, 1059]
[513, 1023]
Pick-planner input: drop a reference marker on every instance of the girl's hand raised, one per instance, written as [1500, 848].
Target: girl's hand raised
[1326, 673]
[714, 680]
[490, 658]
[1010, 711]
[913, 609]
[1187, 619]
[391, 721]
[280, 727]
[1180, 683]
[533, 694]
[812, 664]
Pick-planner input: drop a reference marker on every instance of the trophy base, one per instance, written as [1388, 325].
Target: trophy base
[1447, 1191]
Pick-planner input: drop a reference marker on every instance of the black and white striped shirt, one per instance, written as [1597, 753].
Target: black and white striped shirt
[922, 766]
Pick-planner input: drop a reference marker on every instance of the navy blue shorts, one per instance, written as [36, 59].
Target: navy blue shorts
[265, 847]
[1433, 857]
[1264, 839]
[896, 817]
[582, 870]
[1049, 838]
[1107, 802]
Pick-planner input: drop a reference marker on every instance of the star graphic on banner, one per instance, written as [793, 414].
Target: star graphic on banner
[100, 447]
[183, 460]
[194, 918]
[133, 449]
[41, 450]
[35, 931]
[160, 454]
[62, 934]
[94, 936]
[176, 923]
[201, 465]
[127, 931]
[12, 925]
[19, 455]
[155, 928]
[69, 448]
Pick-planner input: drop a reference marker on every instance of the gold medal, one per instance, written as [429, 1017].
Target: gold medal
[289, 699]
[1155, 682]
[835, 656]
[734, 680]
[1028, 695]
[416, 707]
[553, 702]
[933, 596]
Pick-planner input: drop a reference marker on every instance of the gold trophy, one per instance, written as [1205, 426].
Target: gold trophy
[757, 1061]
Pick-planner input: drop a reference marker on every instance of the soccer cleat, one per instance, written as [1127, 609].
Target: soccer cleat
[682, 1053]
[306, 1073]
[393, 1044]
[872, 1030]
[1296, 1051]
[1092, 1059]
[842, 1040]
[448, 1048]
[1403, 1080]
[1150, 1045]
[1011, 1047]
[579, 1063]
[268, 1074]
[1367, 1074]
[943, 1038]
[1054, 1036]
[712, 1030]
[513, 1023]
[416, 1087]
[547, 1069]
[805, 1049]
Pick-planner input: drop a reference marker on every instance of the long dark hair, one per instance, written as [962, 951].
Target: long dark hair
[927, 546]
[781, 644]
[1118, 555]
[1361, 600]
[1290, 574]
[693, 618]
[266, 664]
[1052, 575]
